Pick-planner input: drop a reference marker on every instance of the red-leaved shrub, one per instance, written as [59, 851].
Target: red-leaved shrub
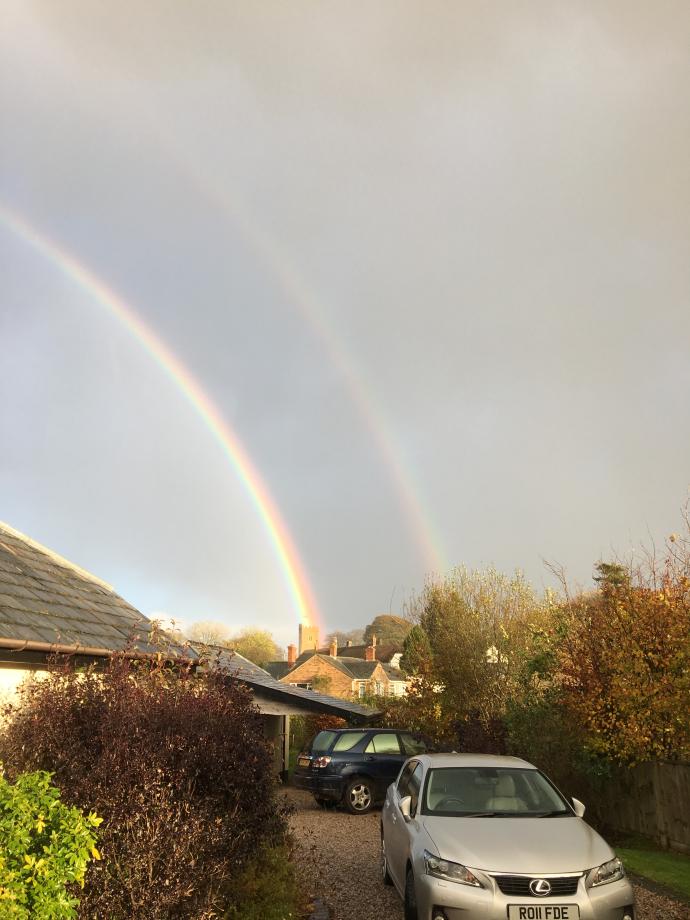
[176, 764]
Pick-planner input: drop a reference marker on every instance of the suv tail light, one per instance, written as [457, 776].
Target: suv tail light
[319, 763]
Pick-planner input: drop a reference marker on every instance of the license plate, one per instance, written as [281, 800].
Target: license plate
[303, 761]
[543, 912]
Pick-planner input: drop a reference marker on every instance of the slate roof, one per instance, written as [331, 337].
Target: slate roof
[383, 653]
[277, 669]
[262, 682]
[394, 673]
[48, 604]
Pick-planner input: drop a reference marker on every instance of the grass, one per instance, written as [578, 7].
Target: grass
[672, 870]
[268, 889]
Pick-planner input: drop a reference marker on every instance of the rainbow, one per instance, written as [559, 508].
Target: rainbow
[283, 545]
[408, 491]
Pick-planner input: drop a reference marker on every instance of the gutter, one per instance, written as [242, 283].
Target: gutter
[56, 648]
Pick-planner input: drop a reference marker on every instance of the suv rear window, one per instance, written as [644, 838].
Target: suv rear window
[347, 741]
[322, 742]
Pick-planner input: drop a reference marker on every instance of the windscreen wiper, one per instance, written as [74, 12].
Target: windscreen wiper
[553, 814]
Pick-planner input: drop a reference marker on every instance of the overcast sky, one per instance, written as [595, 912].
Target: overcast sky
[431, 261]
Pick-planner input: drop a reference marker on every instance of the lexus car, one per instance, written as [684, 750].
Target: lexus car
[467, 836]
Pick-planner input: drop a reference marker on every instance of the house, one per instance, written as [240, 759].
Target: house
[50, 606]
[339, 673]
[388, 653]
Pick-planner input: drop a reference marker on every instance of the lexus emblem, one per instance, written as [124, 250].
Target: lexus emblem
[540, 887]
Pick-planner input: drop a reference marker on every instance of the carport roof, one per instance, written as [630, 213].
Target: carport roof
[265, 685]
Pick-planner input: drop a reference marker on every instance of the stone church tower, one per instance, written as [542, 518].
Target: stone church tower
[308, 638]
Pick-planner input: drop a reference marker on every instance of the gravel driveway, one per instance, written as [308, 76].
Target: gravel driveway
[339, 855]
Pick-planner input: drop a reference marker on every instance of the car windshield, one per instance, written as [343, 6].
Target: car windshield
[492, 792]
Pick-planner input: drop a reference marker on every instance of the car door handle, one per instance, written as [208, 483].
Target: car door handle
[369, 757]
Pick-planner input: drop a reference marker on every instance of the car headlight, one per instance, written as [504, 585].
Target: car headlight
[449, 871]
[607, 872]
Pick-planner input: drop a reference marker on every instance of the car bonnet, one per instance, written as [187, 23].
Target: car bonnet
[534, 846]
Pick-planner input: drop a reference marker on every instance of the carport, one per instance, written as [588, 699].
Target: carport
[277, 702]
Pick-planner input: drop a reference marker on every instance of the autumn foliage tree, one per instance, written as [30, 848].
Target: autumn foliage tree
[388, 629]
[477, 624]
[624, 659]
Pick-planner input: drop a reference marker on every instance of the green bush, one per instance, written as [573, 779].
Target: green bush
[46, 847]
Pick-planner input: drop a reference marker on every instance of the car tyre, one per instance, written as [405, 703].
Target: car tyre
[359, 796]
[410, 897]
[385, 874]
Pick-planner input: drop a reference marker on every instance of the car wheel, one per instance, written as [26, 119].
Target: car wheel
[359, 796]
[385, 874]
[410, 897]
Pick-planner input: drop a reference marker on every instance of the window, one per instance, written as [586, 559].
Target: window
[411, 745]
[322, 742]
[362, 688]
[347, 741]
[509, 791]
[404, 781]
[379, 688]
[383, 744]
[415, 786]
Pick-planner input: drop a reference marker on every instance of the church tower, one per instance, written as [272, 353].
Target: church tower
[308, 638]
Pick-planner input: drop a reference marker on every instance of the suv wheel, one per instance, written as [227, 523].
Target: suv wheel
[359, 796]
[385, 874]
[410, 897]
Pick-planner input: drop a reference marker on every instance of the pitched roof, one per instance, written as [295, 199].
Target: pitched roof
[354, 668]
[382, 652]
[277, 669]
[48, 604]
[360, 669]
[262, 682]
[394, 673]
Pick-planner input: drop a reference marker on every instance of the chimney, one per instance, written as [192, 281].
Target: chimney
[370, 653]
[373, 640]
[348, 643]
[292, 655]
[333, 648]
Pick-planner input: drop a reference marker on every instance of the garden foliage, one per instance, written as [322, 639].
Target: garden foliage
[579, 684]
[46, 848]
[177, 765]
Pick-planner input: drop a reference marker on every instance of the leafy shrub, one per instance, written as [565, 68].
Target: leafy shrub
[46, 847]
[306, 727]
[177, 765]
[624, 662]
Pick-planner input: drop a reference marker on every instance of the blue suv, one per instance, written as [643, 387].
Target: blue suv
[354, 766]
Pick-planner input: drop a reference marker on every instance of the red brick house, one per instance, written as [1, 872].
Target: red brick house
[340, 674]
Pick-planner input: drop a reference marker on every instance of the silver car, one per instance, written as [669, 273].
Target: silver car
[469, 836]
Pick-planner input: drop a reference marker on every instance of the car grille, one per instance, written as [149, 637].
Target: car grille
[518, 885]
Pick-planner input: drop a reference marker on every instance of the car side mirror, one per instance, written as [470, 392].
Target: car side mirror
[406, 806]
[578, 807]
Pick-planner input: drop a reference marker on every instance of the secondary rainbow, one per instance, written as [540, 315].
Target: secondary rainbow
[293, 570]
[299, 294]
